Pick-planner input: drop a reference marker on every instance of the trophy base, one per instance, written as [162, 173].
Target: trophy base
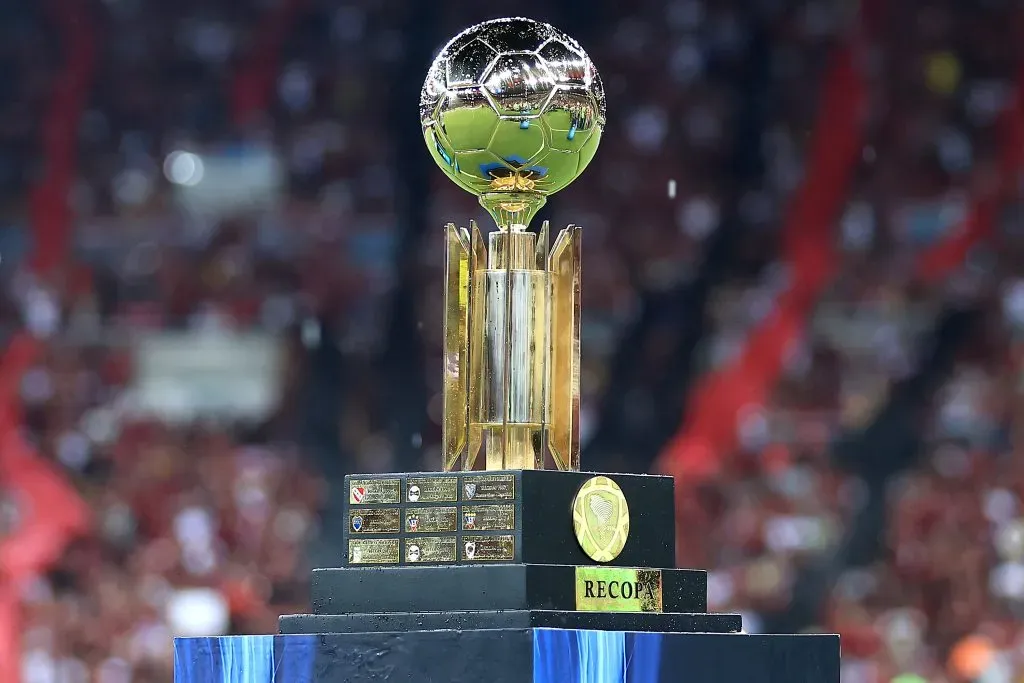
[486, 587]
[491, 517]
[509, 619]
[523, 655]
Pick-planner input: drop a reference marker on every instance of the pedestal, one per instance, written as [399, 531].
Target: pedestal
[524, 655]
[480, 578]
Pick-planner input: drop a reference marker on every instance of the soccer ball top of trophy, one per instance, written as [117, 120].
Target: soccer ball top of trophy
[512, 111]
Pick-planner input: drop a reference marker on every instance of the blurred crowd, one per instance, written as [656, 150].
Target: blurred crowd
[204, 527]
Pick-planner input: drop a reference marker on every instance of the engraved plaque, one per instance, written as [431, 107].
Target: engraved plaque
[431, 519]
[374, 520]
[373, 551]
[615, 589]
[488, 548]
[431, 549]
[489, 517]
[432, 490]
[366, 491]
[489, 487]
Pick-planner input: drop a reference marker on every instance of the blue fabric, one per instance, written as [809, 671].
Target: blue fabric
[245, 659]
[644, 663]
[555, 656]
[293, 658]
[561, 656]
[558, 656]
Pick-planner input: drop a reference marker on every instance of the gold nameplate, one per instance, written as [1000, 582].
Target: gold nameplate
[615, 589]
[489, 517]
[374, 520]
[431, 520]
[373, 551]
[366, 491]
[432, 490]
[489, 487]
[488, 548]
[431, 549]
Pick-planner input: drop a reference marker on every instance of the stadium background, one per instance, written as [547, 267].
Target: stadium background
[220, 243]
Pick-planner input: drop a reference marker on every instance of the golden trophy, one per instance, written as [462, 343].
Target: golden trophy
[512, 111]
[454, 567]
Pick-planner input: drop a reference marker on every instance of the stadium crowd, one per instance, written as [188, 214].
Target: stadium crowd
[204, 527]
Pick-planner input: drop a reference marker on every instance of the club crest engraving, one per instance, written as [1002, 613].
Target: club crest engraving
[600, 517]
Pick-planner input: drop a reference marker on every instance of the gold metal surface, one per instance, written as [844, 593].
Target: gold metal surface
[489, 517]
[512, 111]
[432, 489]
[618, 589]
[512, 107]
[431, 519]
[600, 517]
[488, 548]
[431, 549]
[373, 551]
[564, 359]
[478, 264]
[369, 491]
[456, 347]
[489, 487]
[374, 520]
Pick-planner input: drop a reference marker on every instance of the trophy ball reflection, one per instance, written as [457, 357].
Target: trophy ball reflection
[512, 105]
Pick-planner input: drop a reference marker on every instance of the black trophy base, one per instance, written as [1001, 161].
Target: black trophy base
[506, 516]
[524, 655]
[509, 619]
[496, 587]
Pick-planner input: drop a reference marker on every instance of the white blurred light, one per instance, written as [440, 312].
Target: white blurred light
[184, 168]
[698, 217]
[1013, 302]
[999, 505]
[132, 187]
[310, 333]
[1009, 541]
[721, 590]
[197, 612]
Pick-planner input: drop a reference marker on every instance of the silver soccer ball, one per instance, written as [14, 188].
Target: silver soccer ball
[512, 105]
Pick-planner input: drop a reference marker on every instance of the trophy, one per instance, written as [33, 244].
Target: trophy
[510, 565]
[512, 111]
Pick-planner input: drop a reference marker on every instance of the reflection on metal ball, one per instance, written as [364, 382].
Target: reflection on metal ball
[512, 110]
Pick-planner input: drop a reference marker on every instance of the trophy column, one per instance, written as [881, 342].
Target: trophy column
[511, 350]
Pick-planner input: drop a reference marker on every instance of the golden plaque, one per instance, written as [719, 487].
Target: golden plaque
[618, 589]
[373, 551]
[600, 518]
[431, 549]
[488, 548]
[512, 111]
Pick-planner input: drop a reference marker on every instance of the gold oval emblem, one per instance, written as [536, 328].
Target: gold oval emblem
[600, 517]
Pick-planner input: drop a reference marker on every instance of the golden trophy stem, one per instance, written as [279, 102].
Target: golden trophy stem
[511, 369]
[512, 210]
